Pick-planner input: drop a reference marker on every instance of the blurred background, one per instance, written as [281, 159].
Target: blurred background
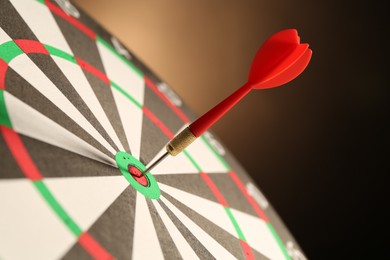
[317, 146]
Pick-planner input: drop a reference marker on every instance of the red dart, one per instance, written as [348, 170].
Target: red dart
[278, 61]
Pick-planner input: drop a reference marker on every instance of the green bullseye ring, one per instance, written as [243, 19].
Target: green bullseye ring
[124, 160]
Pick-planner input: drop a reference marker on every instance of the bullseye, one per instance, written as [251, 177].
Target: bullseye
[138, 176]
[131, 169]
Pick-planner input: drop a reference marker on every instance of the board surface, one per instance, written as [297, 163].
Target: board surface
[72, 98]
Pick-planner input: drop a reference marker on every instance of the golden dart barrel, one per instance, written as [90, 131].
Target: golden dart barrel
[180, 142]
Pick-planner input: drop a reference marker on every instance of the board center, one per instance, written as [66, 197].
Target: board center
[138, 176]
[132, 169]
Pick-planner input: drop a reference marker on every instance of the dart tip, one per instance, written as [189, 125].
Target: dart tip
[155, 163]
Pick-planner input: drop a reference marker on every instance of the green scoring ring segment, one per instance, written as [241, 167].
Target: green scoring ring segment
[124, 160]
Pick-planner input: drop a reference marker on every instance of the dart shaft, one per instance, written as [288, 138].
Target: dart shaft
[204, 122]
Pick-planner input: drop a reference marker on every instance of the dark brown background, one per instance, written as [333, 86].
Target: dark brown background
[315, 146]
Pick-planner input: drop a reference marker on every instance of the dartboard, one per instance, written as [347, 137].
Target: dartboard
[80, 118]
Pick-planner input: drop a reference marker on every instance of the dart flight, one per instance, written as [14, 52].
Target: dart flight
[278, 61]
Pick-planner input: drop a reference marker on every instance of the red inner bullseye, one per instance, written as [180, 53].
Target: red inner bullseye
[138, 176]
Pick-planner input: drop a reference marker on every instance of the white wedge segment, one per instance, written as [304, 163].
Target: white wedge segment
[32, 74]
[78, 80]
[122, 74]
[86, 198]
[145, 240]
[27, 121]
[182, 245]
[28, 224]
[131, 117]
[211, 210]
[4, 37]
[205, 158]
[217, 250]
[42, 23]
